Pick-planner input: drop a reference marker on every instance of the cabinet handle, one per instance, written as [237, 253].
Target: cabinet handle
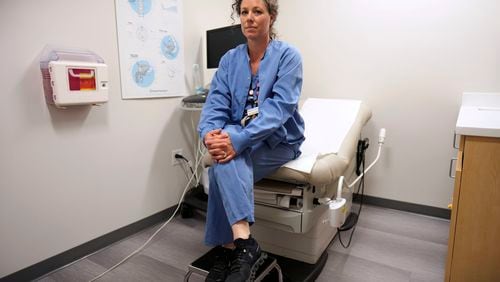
[455, 146]
[451, 168]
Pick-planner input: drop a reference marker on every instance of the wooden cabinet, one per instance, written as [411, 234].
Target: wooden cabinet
[474, 242]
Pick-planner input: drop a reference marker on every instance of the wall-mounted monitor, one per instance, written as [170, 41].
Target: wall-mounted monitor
[216, 43]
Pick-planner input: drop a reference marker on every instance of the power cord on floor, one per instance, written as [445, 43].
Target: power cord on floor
[159, 229]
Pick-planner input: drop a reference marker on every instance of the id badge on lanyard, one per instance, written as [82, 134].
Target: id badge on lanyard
[253, 112]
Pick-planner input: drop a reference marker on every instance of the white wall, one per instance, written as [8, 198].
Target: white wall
[409, 61]
[67, 177]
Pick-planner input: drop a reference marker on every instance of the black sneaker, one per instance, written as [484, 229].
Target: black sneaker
[246, 259]
[220, 268]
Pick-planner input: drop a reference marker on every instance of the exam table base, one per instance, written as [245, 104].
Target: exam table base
[275, 268]
[273, 234]
[306, 247]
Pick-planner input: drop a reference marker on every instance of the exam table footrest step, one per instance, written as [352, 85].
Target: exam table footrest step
[275, 268]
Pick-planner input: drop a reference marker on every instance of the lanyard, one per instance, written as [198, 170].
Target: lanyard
[253, 94]
[253, 102]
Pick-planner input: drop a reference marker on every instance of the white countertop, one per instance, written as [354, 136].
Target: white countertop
[479, 115]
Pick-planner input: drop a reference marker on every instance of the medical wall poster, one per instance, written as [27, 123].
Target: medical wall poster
[150, 43]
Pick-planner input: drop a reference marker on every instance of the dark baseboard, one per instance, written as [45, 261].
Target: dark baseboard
[404, 206]
[37, 270]
[62, 259]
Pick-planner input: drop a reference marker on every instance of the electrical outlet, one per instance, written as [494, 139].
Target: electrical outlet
[174, 160]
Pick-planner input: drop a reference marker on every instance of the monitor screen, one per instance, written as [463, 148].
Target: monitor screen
[221, 40]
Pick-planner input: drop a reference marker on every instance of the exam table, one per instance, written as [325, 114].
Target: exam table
[289, 220]
[297, 227]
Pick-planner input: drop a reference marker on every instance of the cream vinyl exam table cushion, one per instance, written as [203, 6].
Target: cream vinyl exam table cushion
[337, 120]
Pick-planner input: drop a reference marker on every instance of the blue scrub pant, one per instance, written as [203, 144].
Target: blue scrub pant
[230, 194]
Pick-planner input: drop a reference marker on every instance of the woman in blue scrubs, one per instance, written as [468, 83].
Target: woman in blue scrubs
[251, 126]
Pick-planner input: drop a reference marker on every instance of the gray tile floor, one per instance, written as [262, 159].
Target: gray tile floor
[388, 245]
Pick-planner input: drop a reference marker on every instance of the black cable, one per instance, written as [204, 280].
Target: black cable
[186, 173]
[333, 240]
[179, 156]
[361, 187]
[350, 238]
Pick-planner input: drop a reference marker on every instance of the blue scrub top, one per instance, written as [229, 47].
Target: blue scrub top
[280, 84]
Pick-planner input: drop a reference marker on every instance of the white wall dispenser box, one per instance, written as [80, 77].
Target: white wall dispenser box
[73, 77]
